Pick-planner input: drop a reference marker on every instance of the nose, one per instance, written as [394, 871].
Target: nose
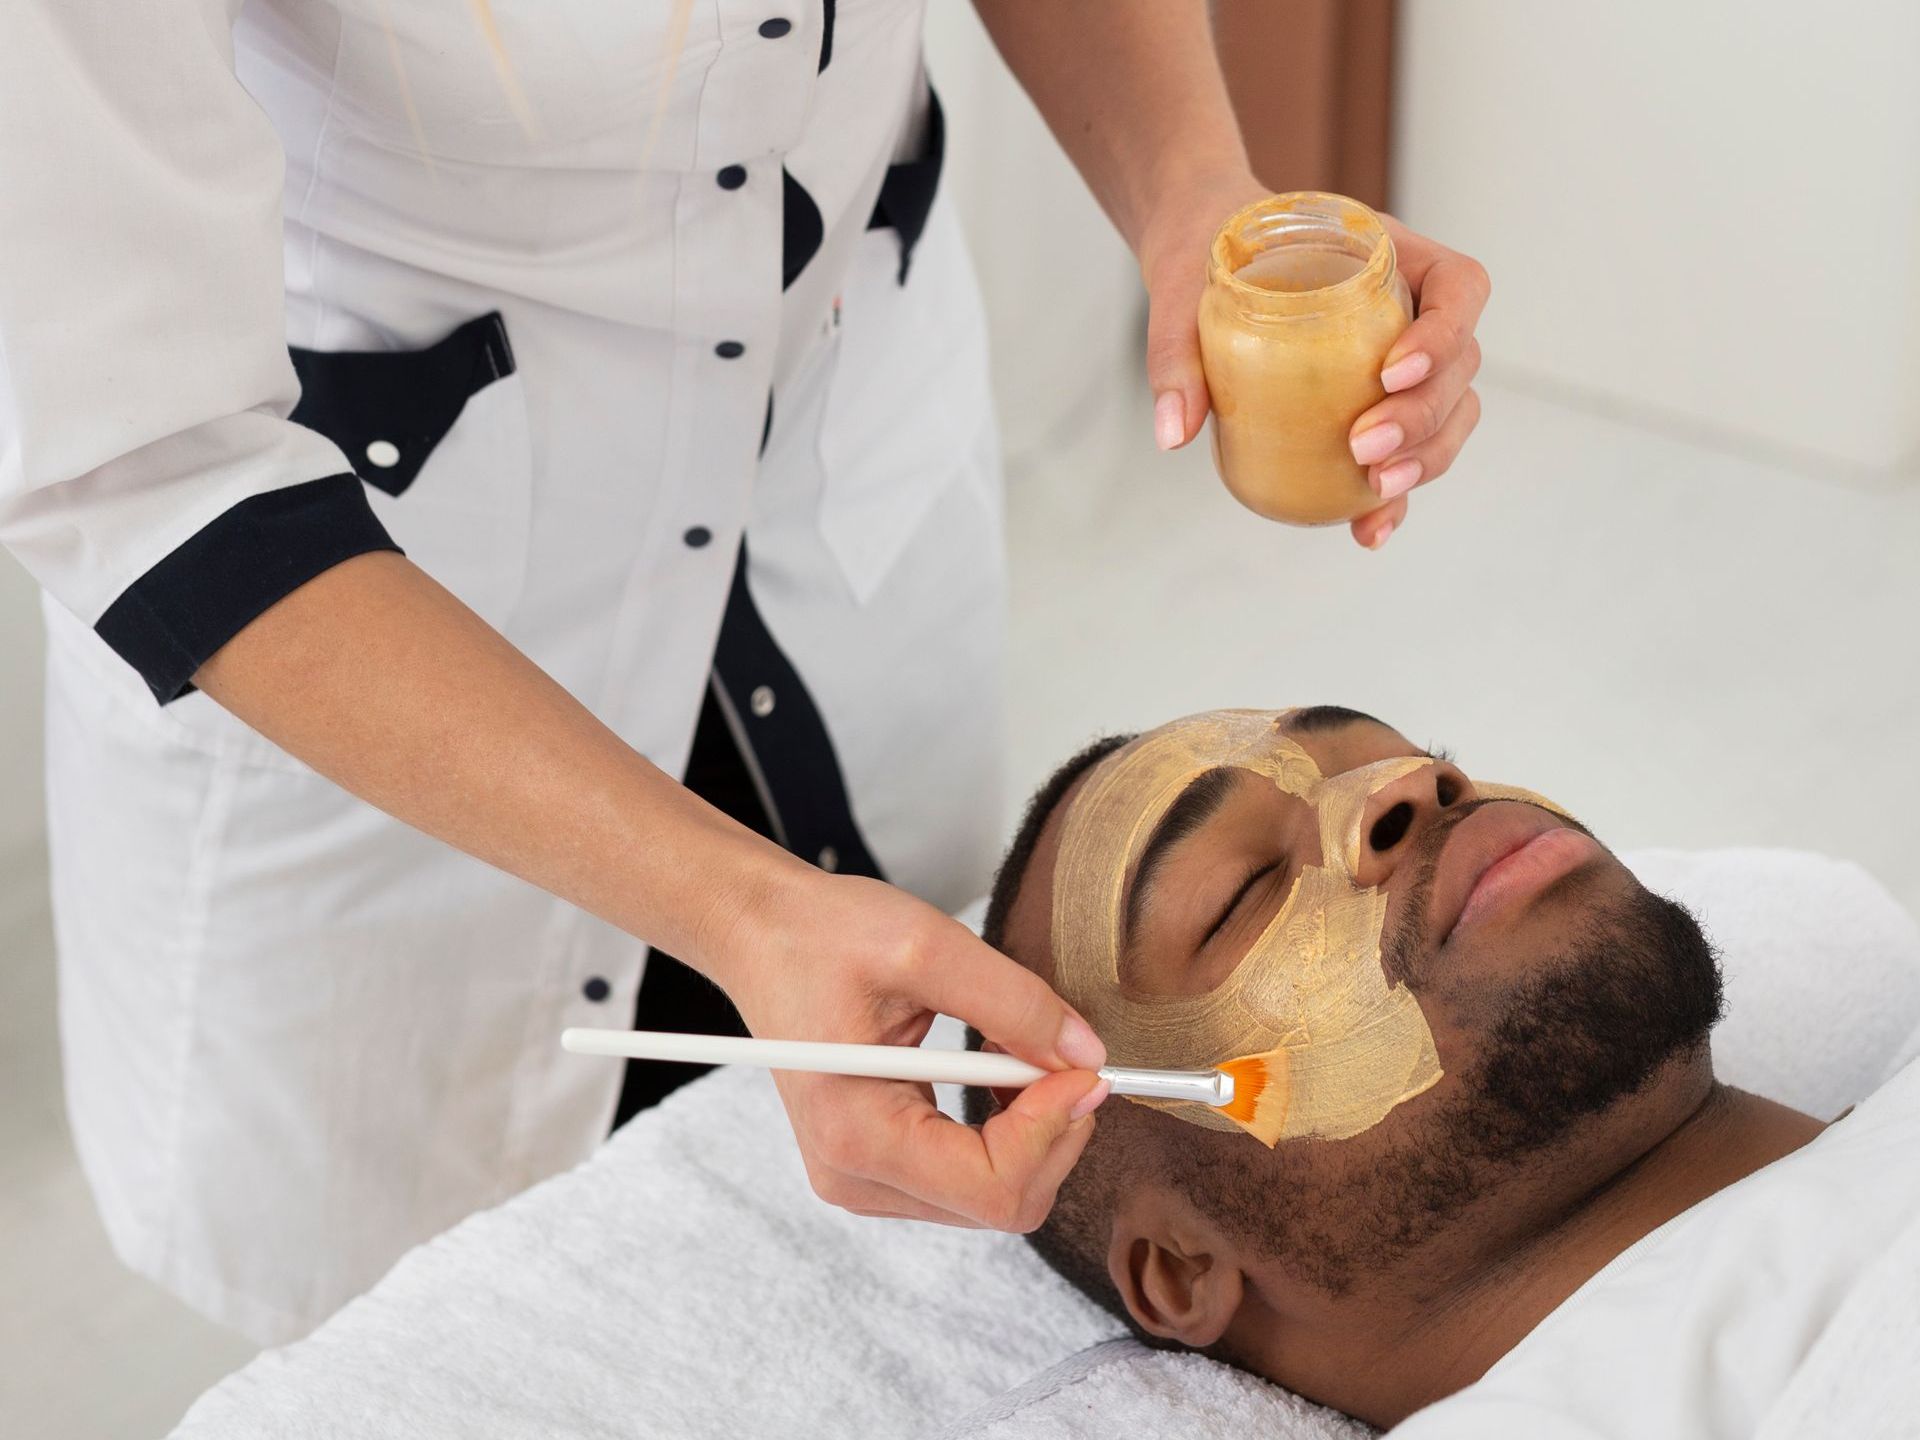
[1400, 812]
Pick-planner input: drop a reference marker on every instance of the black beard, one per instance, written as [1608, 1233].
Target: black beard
[1636, 985]
[1629, 992]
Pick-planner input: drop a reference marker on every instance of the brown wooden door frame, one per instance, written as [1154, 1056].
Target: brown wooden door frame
[1312, 83]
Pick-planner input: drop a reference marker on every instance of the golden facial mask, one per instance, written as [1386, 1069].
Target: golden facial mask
[1343, 1046]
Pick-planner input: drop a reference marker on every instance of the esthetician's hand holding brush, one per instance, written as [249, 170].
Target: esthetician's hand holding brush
[881, 1147]
[441, 723]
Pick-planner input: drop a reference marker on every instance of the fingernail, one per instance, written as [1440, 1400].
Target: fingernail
[1398, 479]
[1380, 535]
[1407, 370]
[1373, 445]
[1089, 1102]
[1079, 1046]
[1169, 420]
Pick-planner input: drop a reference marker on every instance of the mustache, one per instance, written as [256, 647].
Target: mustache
[1408, 944]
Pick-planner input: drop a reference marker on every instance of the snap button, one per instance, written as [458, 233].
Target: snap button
[596, 989]
[829, 859]
[774, 29]
[729, 349]
[383, 453]
[732, 177]
[697, 536]
[761, 701]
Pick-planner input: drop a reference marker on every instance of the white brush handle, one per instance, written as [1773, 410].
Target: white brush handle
[882, 1062]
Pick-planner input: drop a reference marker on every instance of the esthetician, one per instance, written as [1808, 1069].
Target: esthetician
[636, 427]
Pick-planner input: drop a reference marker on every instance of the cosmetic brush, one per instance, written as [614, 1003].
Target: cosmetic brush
[1233, 1088]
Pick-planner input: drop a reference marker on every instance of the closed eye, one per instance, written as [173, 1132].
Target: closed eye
[1233, 904]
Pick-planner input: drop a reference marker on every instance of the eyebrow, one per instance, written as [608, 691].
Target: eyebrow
[1192, 808]
[1198, 803]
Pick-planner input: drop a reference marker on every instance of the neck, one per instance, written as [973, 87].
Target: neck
[1502, 1291]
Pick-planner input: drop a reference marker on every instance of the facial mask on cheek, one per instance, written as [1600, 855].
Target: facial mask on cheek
[1344, 1046]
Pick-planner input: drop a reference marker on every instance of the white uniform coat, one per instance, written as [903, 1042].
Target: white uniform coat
[570, 363]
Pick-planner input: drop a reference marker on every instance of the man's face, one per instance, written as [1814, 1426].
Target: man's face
[1287, 964]
[1551, 982]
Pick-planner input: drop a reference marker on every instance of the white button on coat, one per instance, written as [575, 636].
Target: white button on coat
[299, 1036]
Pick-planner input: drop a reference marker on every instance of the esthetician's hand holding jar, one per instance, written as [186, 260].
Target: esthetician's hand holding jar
[1423, 406]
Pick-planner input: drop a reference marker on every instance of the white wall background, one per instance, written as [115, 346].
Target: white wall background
[1705, 213]
[1062, 291]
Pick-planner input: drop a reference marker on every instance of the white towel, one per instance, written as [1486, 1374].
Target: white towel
[1822, 970]
[685, 1283]
[1123, 1387]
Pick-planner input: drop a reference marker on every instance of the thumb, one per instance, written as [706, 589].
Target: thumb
[1011, 1006]
[1174, 372]
[1035, 1141]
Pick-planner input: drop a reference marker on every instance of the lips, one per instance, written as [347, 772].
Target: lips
[1503, 853]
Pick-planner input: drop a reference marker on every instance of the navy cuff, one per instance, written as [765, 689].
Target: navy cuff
[172, 619]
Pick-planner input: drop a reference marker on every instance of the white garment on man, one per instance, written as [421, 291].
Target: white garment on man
[299, 1036]
[1706, 1325]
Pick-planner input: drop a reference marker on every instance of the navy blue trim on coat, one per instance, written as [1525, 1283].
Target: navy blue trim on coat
[407, 399]
[387, 410]
[906, 195]
[172, 620]
[826, 35]
[785, 740]
[801, 229]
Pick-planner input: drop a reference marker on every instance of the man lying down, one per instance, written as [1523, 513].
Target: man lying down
[1490, 1078]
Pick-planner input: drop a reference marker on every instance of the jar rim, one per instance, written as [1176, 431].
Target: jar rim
[1302, 212]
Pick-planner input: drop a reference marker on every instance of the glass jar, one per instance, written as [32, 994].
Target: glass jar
[1303, 301]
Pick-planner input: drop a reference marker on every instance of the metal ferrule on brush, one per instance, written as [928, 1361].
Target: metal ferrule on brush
[1206, 1087]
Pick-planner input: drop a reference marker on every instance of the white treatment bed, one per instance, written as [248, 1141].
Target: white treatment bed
[684, 1282]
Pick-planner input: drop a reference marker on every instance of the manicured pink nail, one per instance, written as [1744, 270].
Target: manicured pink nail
[1407, 370]
[1079, 1046]
[1380, 536]
[1374, 445]
[1089, 1102]
[1398, 479]
[1169, 420]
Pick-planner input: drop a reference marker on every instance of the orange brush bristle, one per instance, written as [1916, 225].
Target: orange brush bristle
[1262, 1093]
[1250, 1079]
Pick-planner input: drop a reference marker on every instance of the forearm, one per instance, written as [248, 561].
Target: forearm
[386, 684]
[1133, 92]
[382, 681]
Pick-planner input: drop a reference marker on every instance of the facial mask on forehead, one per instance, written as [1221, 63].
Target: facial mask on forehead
[1344, 1046]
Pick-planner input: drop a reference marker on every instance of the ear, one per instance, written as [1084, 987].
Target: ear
[1178, 1275]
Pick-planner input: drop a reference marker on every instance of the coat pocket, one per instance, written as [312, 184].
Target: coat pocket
[907, 402]
[440, 437]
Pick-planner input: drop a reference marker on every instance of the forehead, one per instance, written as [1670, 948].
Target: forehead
[1334, 747]
[1335, 740]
